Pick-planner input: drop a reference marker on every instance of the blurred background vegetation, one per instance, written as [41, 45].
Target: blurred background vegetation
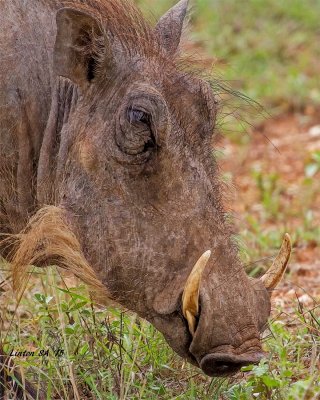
[268, 49]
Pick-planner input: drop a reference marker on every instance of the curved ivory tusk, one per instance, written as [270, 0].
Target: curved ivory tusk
[275, 273]
[190, 296]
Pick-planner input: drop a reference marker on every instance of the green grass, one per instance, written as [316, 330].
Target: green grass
[109, 354]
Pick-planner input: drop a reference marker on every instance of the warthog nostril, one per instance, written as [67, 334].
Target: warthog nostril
[226, 364]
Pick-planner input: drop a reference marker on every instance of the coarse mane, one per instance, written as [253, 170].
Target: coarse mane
[123, 23]
[48, 240]
[121, 20]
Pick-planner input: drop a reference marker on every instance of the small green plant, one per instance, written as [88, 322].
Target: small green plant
[291, 372]
[269, 191]
[313, 167]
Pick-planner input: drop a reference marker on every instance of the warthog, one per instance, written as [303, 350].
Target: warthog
[107, 170]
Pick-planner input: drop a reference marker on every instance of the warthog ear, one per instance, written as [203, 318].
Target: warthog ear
[75, 47]
[169, 27]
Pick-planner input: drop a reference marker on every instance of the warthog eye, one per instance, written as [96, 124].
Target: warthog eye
[137, 136]
[138, 116]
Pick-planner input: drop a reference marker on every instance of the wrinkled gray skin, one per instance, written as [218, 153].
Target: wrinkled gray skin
[124, 144]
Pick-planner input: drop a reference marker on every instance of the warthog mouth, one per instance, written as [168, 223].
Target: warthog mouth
[225, 363]
[225, 360]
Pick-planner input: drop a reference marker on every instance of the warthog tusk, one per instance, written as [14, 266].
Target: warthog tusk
[275, 273]
[190, 296]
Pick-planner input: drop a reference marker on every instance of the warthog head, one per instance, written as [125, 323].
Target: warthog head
[139, 184]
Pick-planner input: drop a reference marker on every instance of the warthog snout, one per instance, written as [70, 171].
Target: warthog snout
[226, 364]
